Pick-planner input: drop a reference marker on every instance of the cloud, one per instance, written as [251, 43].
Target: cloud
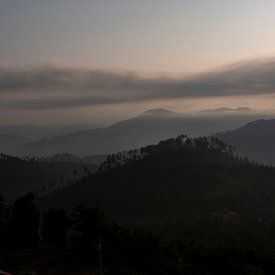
[51, 86]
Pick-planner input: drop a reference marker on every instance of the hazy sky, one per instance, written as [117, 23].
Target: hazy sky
[50, 49]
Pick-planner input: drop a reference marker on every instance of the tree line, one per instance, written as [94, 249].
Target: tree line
[86, 236]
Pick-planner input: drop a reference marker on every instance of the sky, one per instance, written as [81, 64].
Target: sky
[65, 61]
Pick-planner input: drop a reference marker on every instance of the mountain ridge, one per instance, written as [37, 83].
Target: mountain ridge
[254, 140]
[149, 127]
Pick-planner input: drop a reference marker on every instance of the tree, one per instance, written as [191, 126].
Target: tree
[25, 222]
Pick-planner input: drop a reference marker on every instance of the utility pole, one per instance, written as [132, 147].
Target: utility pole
[99, 249]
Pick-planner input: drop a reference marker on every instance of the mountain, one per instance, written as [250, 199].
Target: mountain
[39, 131]
[19, 176]
[159, 112]
[227, 111]
[172, 184]
[184, 206]
[9, 142]
[147, 128]
[255, 140]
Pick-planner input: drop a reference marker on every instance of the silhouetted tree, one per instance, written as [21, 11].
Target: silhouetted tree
[25, 222]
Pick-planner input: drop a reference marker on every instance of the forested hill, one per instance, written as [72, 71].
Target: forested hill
[177, 179]
[19, 176]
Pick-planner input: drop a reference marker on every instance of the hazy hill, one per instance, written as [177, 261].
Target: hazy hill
[9, 142]
[255, 140]
[93, 159]
[19, 176]
[147, 128]
[175, 180]
[39, 131]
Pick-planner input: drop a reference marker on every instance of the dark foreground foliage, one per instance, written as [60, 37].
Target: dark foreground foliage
[184, 206]
[59, 242]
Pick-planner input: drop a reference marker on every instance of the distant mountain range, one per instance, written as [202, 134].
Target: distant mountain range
[252, 138]
[147, 128]
[224, 110]
[35, 132]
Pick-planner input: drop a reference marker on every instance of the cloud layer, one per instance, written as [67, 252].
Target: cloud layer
[53, 86]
